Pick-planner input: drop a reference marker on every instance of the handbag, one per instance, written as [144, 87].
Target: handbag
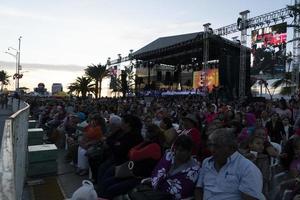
[146, 192]
[124, 170]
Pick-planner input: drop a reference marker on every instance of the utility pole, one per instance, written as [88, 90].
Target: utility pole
[18, 66]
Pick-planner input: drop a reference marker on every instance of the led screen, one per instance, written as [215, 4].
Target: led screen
[211, 81]
[269, 49]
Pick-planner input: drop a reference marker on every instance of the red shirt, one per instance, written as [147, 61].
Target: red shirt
[142, 151]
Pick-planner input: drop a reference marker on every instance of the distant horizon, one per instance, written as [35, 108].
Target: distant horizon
[34, 73]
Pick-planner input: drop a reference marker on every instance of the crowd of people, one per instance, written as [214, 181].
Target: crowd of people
[180, 146]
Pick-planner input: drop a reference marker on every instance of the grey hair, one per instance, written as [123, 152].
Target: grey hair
[224, 137]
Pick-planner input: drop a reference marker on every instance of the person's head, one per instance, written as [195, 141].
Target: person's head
[296, 147]
[147, 120]
[258, 123]
[256, 143]
[115, 120]
[229, 115]
[235, 126]
[239, 116]
[166, 123]
[283, 104]
[285, 121]
[131, 124]
[97, 120]
[211, 108]
[189, 121]
[264, 115]
[249, 119]
[261, 132]
[153, 133]
[183, 148]
[222, 144]
[274, 117]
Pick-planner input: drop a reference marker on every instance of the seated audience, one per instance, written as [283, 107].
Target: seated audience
[177, 172]
[227, 174]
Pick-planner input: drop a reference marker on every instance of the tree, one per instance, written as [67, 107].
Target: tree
[82, 86]
[97, 73]
[285, 83]
[115, 84]
[263, 60]
[3, 79]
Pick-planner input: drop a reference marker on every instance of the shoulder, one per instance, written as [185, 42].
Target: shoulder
[245, 166]
[206, 162]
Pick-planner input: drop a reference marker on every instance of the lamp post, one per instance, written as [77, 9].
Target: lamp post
[17, 56]
[19, 66]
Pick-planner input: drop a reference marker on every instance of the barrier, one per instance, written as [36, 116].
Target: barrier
[13, 152]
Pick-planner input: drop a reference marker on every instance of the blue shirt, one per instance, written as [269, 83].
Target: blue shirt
[238, 175]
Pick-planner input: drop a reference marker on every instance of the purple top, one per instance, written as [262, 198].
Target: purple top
[178, 182]
[295, 165]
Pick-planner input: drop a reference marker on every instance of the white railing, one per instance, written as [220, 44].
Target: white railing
[13, 154]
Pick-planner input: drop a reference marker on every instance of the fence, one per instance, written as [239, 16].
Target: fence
[13, 152]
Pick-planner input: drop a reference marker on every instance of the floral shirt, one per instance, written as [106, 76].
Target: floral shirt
[180, 182]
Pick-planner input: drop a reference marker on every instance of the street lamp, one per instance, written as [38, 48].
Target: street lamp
[17, 56]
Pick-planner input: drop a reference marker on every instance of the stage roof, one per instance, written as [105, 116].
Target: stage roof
[163, 42]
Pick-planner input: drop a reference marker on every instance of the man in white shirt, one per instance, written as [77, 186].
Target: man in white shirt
[228, 175]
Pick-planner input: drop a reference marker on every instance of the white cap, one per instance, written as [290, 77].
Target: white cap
[115, 120]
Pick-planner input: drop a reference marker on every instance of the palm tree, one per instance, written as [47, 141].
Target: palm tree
[97, 73]
[286, 81]
[3, 79]
[115, 84]
[82, 85]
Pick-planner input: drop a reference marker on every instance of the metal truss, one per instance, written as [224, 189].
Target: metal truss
[265, 19]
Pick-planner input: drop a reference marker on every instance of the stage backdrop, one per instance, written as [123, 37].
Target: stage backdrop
[212, 78]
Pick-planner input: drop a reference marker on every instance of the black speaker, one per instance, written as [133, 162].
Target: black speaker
[168, 78]
[158, 76]
[176, 76]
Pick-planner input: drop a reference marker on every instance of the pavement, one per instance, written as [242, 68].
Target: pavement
[67, 179]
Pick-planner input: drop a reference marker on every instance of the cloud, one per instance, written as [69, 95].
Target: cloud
[31, 66]
[12, 12]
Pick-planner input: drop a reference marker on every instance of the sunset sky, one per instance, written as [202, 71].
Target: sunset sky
[80, 32]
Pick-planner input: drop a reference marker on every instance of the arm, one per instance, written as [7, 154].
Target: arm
[251, 183]
[294, 173]
[272, 151]
[247, 197]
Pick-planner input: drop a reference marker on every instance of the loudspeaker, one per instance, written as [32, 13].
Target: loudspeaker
[158, 76]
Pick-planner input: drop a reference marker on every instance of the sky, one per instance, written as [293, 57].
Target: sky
[81, 32]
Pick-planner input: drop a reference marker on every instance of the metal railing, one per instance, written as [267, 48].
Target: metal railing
[13, 154]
